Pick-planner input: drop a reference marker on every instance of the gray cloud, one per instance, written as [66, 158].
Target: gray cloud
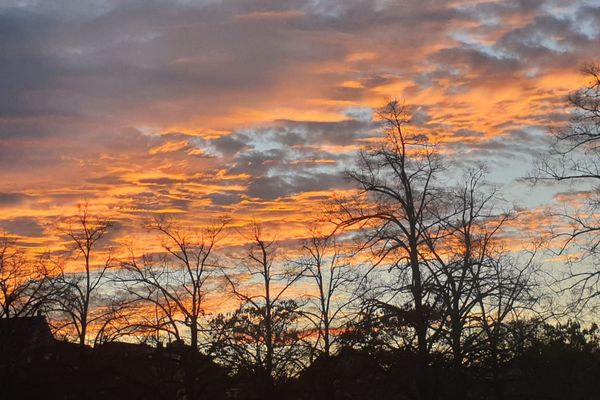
[9, 199]
[274, 187]
[231, 144]
[224, 199]
[23, 226]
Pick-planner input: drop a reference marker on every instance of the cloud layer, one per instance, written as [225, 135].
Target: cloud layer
[253, 107]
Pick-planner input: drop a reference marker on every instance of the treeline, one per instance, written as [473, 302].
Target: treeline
[416, 292]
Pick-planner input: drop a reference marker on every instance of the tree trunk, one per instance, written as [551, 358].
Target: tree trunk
[420, 323]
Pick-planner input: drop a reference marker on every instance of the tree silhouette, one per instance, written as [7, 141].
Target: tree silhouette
[175, 283]
[79, 290]
[397, 211]
[262, 335]
[575, 157]
[25, 286]
[328, 272]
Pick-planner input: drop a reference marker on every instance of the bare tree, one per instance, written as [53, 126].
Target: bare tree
[479, 286]
[24, 282]
[78, 305]
[397, 205]
[574, 152]
[171, 289]
[459, 259]
[176, 282]
[574, 157]
[262, 335]
[332, 278]
[507, 295]
[483, 290]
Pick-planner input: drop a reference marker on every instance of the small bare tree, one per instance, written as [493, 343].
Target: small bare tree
[479, 286]
[262, 336]
[332, 279]
[174, 285]
[176, 282]
[459, 259]
[78, 305]
[507, 295]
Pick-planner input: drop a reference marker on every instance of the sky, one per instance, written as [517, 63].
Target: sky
[254, 108]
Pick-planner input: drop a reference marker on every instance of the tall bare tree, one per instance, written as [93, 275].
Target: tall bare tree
[574, 157]
[397, 208]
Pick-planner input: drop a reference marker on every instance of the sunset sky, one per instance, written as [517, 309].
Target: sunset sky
[254, 108]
